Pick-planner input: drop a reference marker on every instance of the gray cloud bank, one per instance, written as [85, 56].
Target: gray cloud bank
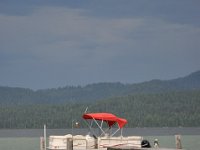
[50, 44]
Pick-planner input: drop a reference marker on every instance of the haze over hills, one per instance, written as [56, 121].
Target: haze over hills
[96, 91]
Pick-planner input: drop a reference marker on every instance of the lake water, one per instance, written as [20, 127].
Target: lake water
[28, 139]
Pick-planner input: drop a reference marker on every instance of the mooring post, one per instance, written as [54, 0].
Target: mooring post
[69, 144]
[178, 141]
[96, 140]
[42, 143]
[45, 137]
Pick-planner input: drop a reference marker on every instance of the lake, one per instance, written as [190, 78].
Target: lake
[28, 139]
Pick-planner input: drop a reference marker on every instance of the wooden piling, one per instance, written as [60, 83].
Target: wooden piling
[42, 145]
[178, 141]
[69, 144]
[96, 143]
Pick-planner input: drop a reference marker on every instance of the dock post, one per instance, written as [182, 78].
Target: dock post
[178, 141]
[42, 143]
[96, 143]
[86, 143]
[69, 144]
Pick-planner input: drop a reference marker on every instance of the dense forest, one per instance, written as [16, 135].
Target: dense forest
[154, 103]
[141, 110]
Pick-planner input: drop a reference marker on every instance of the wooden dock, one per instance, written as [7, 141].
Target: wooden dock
[177, 139]
[135, 148]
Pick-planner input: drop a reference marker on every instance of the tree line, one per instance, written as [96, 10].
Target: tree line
[141, 110]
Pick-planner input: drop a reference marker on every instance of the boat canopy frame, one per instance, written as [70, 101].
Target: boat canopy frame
[100, 118]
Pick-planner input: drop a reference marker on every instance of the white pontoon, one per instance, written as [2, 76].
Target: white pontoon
[105, 138]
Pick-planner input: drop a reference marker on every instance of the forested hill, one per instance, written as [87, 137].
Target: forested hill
[148, 104]
[97, 91]
[141, 110]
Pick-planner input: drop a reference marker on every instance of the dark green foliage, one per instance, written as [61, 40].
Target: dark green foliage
[141, 110]
[150, 104]
[149, 110]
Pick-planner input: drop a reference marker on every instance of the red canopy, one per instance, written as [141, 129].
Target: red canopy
[107, 117]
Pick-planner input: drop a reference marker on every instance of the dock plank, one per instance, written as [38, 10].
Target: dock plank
[135, 148]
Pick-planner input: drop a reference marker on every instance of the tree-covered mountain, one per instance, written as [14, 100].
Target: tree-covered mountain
[154, 103]
[168, 109]
[97, 91]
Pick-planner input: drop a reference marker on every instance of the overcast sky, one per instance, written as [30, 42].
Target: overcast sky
[54, 43]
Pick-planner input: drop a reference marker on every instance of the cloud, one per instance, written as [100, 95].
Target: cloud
[56, 45]
[51, 30]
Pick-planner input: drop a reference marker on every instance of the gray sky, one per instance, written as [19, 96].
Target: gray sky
[54, 43]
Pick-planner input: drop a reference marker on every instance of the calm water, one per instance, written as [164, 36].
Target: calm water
[29, 139]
